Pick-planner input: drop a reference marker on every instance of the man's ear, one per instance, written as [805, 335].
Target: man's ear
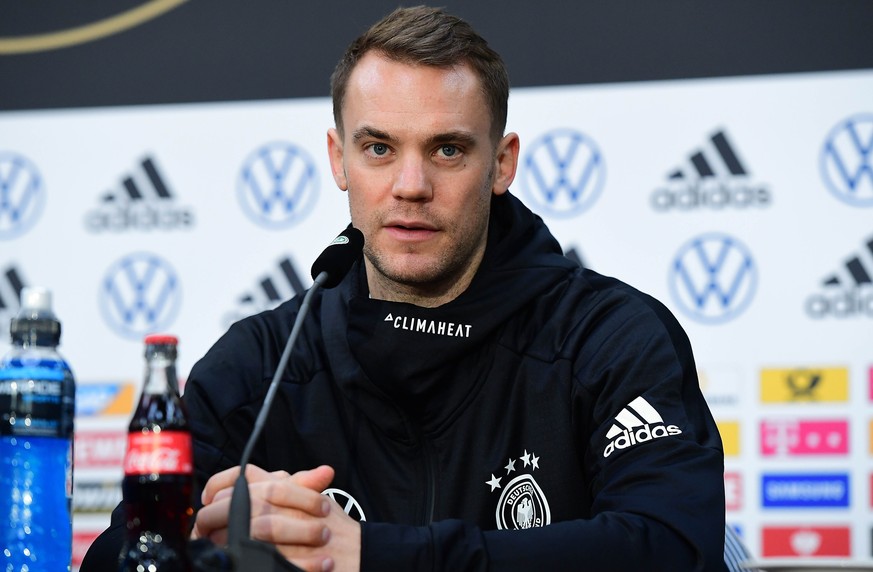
[505, 163]
[335, 154]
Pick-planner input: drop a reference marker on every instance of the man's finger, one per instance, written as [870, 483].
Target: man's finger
[226, 478]
[212, 517]
[316, 479]
[278, 529]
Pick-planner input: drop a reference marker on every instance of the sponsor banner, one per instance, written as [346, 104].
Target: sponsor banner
[713, 278]
[144, 201]
[105, 399]
[870, 437]
[100, 449]
[804, 385]
[805, 541]
[720, 386]
[846, 164]
[730, 437]
[562, 173]
[805, 491]
[94, 496]
[713, 178]
[798, 437]
[82, 540]
[733, 491]
[847, 292]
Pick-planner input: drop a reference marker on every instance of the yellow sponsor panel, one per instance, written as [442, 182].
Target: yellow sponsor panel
[790, 385]
[730, 437]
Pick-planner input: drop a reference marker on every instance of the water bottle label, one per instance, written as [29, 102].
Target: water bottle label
[164, 452]
[31, 402]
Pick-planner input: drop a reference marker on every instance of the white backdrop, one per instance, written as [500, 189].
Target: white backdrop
[791, 390]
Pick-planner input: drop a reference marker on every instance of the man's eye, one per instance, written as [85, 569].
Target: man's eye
[379, 148]
[449, 150]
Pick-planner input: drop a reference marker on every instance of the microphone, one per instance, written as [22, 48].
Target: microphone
[328, 271]
[337, 259]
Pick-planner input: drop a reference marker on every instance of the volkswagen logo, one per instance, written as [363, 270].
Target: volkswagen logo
[847, 160]
[140, 294]
[277, 185]
[348, 503]
[563, 173]
[713, 278]
[22, 195]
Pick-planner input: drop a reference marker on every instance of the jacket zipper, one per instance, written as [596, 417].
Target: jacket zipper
[430, 487]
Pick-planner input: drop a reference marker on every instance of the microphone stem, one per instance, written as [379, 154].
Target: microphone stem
[239, 520]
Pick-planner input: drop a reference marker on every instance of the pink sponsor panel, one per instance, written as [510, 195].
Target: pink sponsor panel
[805, 437]
[733, 491]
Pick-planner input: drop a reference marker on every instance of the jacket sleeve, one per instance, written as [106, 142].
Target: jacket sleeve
[656, 505]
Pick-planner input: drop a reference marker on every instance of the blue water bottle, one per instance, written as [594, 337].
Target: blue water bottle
[37, 407]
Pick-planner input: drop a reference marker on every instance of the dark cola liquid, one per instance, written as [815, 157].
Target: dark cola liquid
[164, 503]
[157, 488]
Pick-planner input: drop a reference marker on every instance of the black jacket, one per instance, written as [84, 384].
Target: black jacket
[544, 395]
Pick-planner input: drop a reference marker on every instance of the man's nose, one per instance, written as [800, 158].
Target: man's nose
[412, 181]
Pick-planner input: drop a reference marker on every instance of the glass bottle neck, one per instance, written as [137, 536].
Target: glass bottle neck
[160, 376]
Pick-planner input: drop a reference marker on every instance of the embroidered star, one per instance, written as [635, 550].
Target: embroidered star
[525, 458]
[534, 460]
[494, 482]
[510, 466]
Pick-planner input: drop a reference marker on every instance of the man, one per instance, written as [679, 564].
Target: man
[477, 400]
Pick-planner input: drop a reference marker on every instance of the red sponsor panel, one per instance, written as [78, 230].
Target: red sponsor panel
[806, 541]
[802, 437]
[733, 491]
[82, 540]
[100, 449]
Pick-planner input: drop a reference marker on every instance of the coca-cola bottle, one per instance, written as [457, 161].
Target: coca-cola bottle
[158, 469]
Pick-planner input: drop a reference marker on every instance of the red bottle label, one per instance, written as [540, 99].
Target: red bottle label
[164, 452]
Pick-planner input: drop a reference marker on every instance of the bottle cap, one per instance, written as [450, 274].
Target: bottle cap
[161, 339]
[36, 299]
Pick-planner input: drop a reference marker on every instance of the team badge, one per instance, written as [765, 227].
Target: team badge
[522, 503]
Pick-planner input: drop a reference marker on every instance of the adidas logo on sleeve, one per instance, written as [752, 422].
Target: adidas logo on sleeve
[637, 423]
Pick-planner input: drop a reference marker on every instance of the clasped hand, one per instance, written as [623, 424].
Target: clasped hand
[309, 529]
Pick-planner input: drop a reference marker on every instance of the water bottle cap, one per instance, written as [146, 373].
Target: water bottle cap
[36, 299]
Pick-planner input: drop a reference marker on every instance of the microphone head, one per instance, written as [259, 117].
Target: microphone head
[338, 257]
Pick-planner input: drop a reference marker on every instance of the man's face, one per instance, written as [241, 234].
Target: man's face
[418, 161]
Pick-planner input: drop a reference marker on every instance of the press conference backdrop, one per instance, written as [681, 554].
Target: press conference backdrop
[744, 203]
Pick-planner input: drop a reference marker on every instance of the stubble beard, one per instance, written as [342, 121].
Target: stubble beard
[435, 273]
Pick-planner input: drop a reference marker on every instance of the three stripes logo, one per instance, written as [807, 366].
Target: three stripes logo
[144, 201]
[636, 423]
[271, 290]
[848, 291]
[715, 178]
